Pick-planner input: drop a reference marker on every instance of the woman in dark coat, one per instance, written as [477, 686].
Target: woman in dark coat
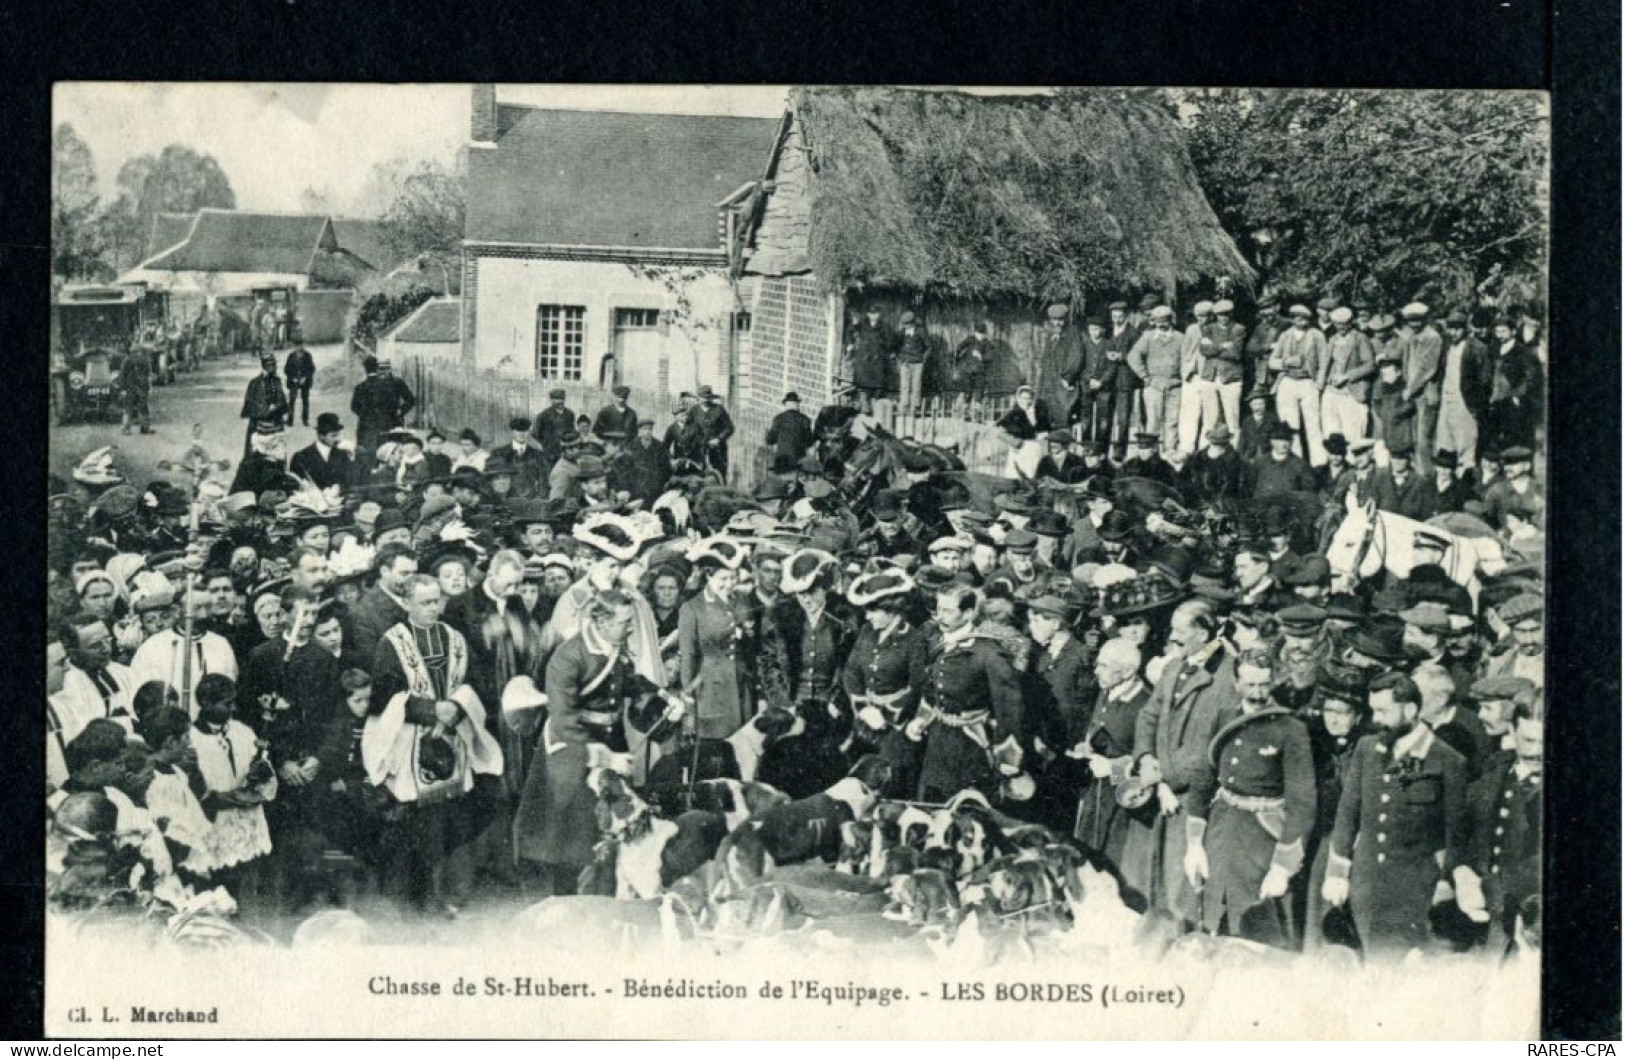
[1026, 424]
[710, 634]
[1517, 394]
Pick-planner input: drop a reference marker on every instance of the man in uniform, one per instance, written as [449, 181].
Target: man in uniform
[263, 399]
[1254, 813]
[523, 454]
[1145, 462]
[970, 706]
[1059, 698]
[1404, 801]
[1504, 808]
[884, 673]
[715, 426]
[552, 424]
[616, 415]
[300, 371]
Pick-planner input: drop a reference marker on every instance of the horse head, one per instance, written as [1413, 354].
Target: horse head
[1355, 551]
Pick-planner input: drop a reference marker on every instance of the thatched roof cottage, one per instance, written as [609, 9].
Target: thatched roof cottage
[962, 208]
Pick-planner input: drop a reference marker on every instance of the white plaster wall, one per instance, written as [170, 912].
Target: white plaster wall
[509, 290]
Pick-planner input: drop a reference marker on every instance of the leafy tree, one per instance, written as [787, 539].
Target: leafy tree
[1395, 195]
[75, 242]
[425, 208]
[178, 180]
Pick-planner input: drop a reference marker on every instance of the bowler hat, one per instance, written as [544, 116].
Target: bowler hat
[1116, 526]
[518, 423]
[621, 391]
[1336, 445]
[791, 398]
[1447, 458]
[1049, 524]
[1383, 638]
[328, 423]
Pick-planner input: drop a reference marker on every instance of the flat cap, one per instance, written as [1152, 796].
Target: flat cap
[1503, 689]
[1342, 315]
[1302, 618]
[1058, 311]
[1020, 541]
[1522, 607]
[1223, 306]
[1414, 311]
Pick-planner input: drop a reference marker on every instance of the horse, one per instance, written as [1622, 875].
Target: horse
[1368, 541]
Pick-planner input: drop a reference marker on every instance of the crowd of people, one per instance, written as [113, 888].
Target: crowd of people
[388, 667]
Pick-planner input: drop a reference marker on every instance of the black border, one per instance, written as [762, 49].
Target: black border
[1571, 47]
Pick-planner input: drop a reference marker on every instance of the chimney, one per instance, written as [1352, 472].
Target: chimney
[483, 114]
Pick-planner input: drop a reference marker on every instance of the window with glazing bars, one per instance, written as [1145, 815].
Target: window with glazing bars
[560, 340]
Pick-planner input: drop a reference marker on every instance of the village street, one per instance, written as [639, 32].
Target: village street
[204, 404]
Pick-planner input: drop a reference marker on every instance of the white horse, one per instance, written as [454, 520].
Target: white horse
[1369, 541]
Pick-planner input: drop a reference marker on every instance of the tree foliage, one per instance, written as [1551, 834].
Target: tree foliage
[178, 180]
[1440, 196]
[425, 208]
[75, 241]
[381, 309]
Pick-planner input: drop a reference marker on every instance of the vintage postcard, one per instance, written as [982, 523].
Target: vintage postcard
[796, 561]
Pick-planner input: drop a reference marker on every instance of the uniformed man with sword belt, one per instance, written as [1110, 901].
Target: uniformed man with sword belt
[1245, 833]
[970, 709]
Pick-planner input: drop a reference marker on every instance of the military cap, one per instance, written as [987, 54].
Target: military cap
[977, 518]
[1202, 308]
[622, 391]
[1328, 302]
[556, 394]
[1336, 445]
[1118, 307]
[1020, 541]
[887, 505]
[1302, 619]
[1342, 315]
[1517, 454]
[1149, 302]
[1414, 311]
[1300, 310]
[1521, 608]
[1049, 524]
[589, 468]
[1310, 570]
[1503, 689]
[1150, 440]
[1223, 307]
[1161, 312]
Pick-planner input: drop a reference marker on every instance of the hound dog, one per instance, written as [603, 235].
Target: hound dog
[791, 832]
[650, 853]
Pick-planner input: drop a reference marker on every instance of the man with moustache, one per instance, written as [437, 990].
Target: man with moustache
[1401, 824]
[1251, 819]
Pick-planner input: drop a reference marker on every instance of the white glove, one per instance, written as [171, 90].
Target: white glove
[1167, 799]
[1470, 894]
[1100, 767]
[1275, 882]
[1335, 891]
[916, 729]
[1443, 891]
[1195, 864]
[871, 716]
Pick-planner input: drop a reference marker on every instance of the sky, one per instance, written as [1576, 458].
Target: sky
[276, 140]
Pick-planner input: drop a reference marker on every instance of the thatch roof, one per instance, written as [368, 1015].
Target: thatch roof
[998, 196]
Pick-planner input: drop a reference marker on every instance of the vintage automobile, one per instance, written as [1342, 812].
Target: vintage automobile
[91, 330]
